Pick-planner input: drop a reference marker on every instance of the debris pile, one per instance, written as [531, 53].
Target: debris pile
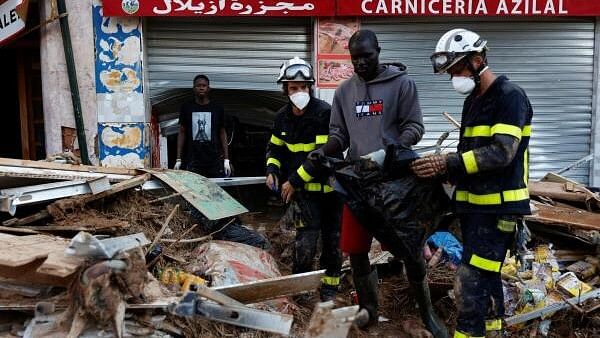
[88, 251]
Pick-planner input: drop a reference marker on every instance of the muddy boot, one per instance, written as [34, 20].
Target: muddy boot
[366, 290]
[428, 316]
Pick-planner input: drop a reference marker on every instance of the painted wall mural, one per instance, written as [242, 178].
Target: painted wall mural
[119, 90]
[123, 145]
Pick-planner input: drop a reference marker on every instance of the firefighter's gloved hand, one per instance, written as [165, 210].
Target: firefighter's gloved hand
[430, 166]
[316, 155]
[177, 165]
[227, 167]
[376, 156]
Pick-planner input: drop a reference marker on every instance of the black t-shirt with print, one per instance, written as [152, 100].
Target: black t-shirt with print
[202, 124]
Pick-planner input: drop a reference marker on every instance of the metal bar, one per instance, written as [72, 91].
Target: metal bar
[71, 71]
[237, 181]
[551, 308]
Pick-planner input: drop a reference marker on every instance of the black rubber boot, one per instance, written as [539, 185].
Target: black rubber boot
[365, 282]
[428, 316]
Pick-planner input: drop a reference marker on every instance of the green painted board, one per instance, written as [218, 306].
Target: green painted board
[210, 199]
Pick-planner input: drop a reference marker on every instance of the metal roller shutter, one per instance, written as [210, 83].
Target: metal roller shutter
[552, 60]
[234, 53]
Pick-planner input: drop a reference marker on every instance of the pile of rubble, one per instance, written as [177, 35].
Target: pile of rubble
[95, 251]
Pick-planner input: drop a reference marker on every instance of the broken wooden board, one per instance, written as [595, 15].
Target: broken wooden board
[212, 201]
[67, 167]
[266, 289]
[566, 191]
[565, 216]
[38, 259]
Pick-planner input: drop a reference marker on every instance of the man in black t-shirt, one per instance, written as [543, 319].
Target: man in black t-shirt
[202, 134]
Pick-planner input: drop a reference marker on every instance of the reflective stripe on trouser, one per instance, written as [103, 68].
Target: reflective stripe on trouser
[493, 324]
[478, 285]
[458, 334]
[325, 210]
[329, 280]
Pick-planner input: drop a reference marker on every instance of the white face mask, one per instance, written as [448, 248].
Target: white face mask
[300, 99]
[462, 84]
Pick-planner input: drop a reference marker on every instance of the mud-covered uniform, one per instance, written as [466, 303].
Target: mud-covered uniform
[293, 138]
[490, 171]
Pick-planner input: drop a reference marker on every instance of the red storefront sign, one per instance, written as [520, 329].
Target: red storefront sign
[218, 8]
[513, 8]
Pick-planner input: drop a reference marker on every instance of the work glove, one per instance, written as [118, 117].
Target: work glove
[430, 166]
[177, 165]
[316, 155]
[227, 168]
[376, 156]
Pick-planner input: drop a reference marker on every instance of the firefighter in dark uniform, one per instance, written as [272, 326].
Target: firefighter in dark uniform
[300, 127]
[490, 171]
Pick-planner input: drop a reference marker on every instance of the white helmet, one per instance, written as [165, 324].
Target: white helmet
[295, 69]
[454, 46]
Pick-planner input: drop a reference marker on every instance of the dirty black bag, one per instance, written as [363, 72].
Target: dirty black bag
[234, 232]
[401, 211]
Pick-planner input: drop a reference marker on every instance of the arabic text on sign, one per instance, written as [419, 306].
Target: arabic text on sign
[214, 7]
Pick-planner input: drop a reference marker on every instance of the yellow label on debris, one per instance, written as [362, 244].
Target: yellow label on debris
[570, 284]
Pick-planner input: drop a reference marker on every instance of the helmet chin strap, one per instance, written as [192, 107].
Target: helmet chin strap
[477, 72]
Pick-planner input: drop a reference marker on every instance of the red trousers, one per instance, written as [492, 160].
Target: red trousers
[354, 239]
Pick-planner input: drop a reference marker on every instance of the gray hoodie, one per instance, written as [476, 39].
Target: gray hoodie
[368, 116]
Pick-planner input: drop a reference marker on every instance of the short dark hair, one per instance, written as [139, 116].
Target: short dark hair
[284, 88]
[364, 35]
[201, 76]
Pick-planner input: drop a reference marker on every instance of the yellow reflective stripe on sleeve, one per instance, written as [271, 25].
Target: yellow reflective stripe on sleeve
[304, 175]
[299, 147]
[458, 334]
[470, 162]
[318, 187]
[477, 131]
[488, 199]
[501, 128]
[493, 325]
[484, 263]
[333, 281]
[274, 162]
[321, 139]
[515, 195]
[276, 140]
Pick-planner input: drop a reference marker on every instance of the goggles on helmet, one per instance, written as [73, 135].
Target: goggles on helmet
[298, 72]
[441, 61]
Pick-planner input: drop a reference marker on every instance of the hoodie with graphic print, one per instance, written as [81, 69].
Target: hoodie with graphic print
[368, 116]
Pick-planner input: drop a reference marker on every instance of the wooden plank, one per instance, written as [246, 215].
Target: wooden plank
[211, 200]
[18, 230]
[66, 167]
[559, 191]
[261, 290]
[565, 216]
[37, 259]
[56, 174]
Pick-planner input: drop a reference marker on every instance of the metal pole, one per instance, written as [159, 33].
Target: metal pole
[72, 73]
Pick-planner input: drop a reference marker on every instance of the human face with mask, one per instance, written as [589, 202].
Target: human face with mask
[299, 94]
[462, 74]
